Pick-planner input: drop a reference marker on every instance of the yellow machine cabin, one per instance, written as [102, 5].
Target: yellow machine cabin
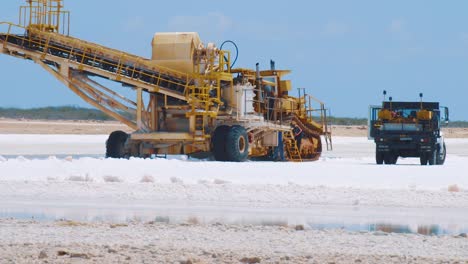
[189, 99]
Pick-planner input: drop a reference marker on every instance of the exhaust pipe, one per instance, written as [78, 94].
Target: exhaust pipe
[258, 82]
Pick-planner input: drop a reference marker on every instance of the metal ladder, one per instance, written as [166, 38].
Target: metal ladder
[291, 147]
[199, 126]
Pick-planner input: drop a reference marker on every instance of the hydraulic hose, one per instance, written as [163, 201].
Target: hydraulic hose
[235, 46]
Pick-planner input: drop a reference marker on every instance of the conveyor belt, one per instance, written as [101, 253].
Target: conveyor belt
[99, 60]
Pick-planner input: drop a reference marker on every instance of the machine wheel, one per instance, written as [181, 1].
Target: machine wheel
[394, 158]
[423, 159]
[218, 142]
[432, 157]
[237, 144]
[379, 158]
[115, 145]
[441, 155]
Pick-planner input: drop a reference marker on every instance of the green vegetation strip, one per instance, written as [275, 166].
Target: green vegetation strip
[54, 113]
[80, 113]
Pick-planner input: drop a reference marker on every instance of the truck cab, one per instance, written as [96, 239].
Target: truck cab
[408, 129]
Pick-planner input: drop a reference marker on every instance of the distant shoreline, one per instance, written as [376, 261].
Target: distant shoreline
[96, 127]
[74, 113]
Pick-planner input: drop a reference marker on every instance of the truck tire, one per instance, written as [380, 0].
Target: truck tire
[388, 158]
[423, 159]
[379, 158]
[115, 145]
[237, 144]
[218, 142]
[441, 155]
[432, 157]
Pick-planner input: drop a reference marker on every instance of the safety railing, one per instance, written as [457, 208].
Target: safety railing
[225, 61]
[209, 65]
[92, 55]
[276, 110]
[320, 113]
[50, 18]
[212, 61]
[311, 113]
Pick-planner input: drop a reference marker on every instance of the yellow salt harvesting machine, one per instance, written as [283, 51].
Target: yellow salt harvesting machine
[188, 97]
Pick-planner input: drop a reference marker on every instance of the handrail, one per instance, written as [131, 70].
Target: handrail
[97, 47]
[45, 15]
[85, 53]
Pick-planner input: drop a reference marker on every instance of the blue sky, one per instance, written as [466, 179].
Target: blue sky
[344, 52]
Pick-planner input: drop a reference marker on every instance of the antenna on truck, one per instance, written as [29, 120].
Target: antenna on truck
[421, 96]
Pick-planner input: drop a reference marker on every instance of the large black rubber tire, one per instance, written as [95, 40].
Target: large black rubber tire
[432, 157]
[379, 157]
[218, 142]
[394, 158]
[388, 158]
[115, 145]
[423, 158]
[441, 155]
[237, 144]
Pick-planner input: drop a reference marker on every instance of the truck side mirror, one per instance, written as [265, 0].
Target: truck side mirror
[447, 118]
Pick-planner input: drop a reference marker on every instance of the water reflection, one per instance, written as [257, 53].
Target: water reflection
[59, 156]
[428, 230]
[176, 217]
[423, 229]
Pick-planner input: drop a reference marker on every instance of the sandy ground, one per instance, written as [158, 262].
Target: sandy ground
[11, 126]
[153, 242]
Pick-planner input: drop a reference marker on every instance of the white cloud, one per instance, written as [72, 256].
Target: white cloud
[211, 22]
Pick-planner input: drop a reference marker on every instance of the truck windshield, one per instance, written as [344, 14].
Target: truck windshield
[406, 113]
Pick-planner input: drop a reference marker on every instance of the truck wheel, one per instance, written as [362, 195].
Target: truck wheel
[115, 145]
[388, 158]
[441, 155]
[432, 157]
[423, 158]
[237, 144]
[218, 142]
[391, 158]
[379, 158]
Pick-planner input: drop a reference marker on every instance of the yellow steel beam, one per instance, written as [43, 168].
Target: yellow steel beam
[107, 89]
[38, 56]
[76, 89]
[100, 96]
[163, 136]
[139, 107]
[108, 52]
